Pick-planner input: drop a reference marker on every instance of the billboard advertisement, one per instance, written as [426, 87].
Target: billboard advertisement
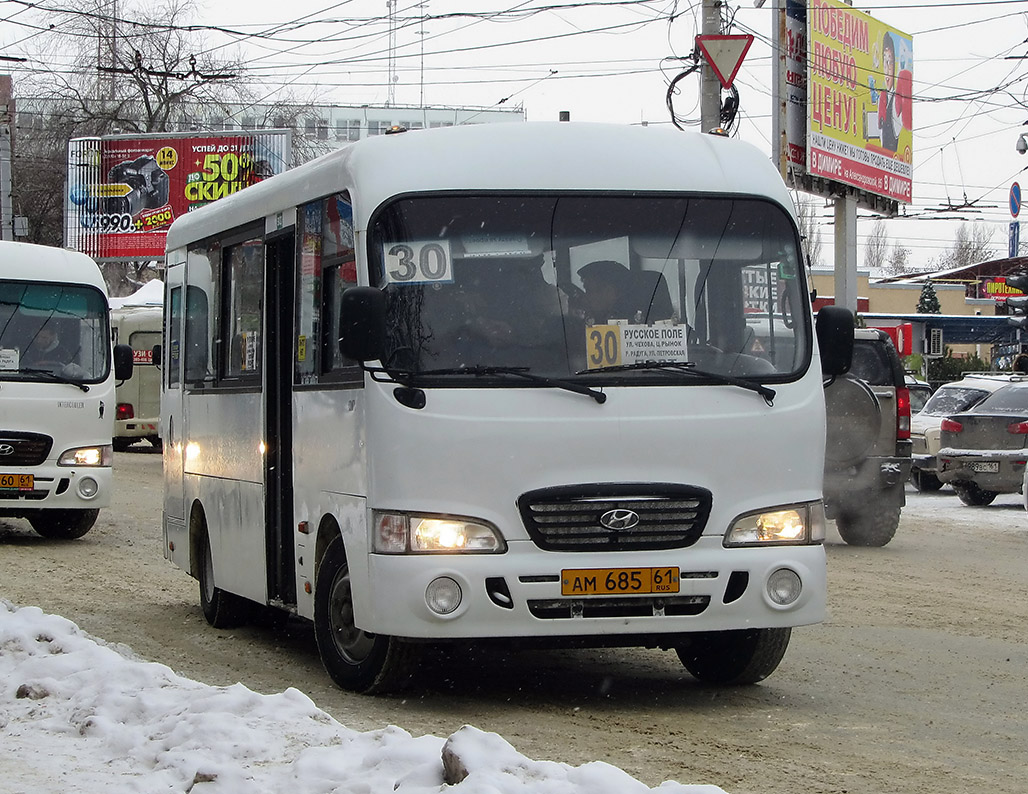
[125, 191]
[859, 87]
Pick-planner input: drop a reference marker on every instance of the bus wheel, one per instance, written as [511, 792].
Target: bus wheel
[728, 658]
[222, 610]
[63, 524]
[355, 659]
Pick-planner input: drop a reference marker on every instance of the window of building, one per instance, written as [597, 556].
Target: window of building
[348, 130]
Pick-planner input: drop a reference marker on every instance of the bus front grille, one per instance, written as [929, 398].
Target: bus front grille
[615, 517]
[24, 449]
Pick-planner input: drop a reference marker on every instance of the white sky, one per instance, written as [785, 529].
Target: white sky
[79, 715]
[969, 85]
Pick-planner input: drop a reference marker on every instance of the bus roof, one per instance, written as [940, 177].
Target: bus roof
[30, 262]
[544, 156]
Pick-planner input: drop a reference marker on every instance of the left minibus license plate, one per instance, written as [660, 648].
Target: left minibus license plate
[618, 581]
[17, 482]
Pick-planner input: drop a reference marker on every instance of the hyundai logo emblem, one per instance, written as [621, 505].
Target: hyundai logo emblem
[6, 449]
[619, 519]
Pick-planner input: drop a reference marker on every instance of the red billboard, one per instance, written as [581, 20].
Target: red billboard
[125, 191]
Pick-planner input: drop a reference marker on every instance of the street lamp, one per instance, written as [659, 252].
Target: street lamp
[1022, 144]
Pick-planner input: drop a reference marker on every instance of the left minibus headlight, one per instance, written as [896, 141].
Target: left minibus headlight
[401, 533]
[88, 456]
[789, 525]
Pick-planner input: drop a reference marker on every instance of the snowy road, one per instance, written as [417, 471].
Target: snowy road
[915, 684]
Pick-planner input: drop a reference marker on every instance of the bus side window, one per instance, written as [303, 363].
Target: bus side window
[242, 330]
[327, 268]
[196, 343]
[173, 339]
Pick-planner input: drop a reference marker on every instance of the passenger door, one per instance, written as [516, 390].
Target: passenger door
[172, 424]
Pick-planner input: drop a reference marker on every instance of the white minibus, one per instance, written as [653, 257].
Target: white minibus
[499, 382]
[138, 400]
[57, 380]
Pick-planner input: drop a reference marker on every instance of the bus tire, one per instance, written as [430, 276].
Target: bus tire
[733, 658]
[63, 524]
[354, 659]
[222, 610]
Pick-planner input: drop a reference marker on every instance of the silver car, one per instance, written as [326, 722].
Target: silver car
[950, 398]
[984, 450]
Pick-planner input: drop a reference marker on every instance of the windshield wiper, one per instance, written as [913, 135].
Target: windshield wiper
[689, 368]
[518, 372]
[54, 377]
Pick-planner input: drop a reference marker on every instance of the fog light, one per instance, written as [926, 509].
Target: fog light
[784, 586]
[88, 487]
[443, 595]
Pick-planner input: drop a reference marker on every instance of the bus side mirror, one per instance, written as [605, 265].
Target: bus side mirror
[122, 362]
[156, 356]
[362, 324]
[835, 339]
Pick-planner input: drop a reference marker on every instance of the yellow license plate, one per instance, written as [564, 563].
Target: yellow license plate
[618, 581]
[17, 482]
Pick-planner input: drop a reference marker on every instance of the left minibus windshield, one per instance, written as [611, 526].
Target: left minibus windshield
[591, 286]
[53, 332]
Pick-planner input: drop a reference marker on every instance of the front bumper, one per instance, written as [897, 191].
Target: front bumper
[59, 487]
[518, 593]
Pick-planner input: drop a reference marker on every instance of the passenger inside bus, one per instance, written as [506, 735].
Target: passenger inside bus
[506, 314]
[47, 350]
[613, 293]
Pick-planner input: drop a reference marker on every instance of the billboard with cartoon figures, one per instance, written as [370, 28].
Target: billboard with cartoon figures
[859, 87]
[125, 191]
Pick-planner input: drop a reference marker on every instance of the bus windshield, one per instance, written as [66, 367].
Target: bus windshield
[53, 332]
[591, 286]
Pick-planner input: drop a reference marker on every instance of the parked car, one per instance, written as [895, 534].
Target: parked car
[949, 398]
[867, 449]
[984, 450]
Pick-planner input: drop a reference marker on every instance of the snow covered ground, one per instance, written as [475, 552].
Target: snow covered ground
[80, 715]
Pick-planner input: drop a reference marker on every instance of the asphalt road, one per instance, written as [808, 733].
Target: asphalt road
[915, 684]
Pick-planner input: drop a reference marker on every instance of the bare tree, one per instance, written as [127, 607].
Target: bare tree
[971, 245]
[898, 261]
[103, 75]
[877, 246]
[806, 215]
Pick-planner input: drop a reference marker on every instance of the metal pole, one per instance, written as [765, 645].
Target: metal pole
[846, 251]
[710, 96]
[6, 203]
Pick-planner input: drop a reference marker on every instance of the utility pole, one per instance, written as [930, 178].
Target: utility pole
[6, 116]
[710, 94]
[391, 90]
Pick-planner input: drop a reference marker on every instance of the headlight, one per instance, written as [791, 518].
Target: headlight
[399, 533]
[791, 525]
[88, 456]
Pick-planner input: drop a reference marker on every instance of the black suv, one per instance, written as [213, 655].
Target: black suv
[867, 449]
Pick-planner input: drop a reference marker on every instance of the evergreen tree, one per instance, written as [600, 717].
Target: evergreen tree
[928, 303]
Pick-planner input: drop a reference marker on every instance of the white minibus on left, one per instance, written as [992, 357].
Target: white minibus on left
[57, 377]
